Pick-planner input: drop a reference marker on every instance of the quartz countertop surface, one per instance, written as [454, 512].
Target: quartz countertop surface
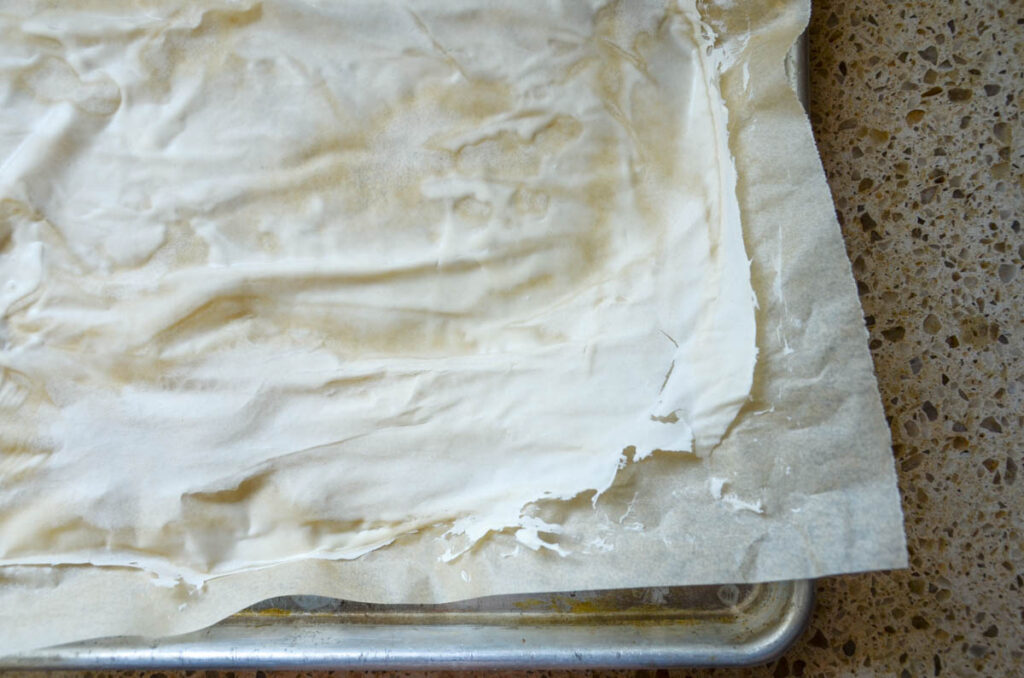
[916, 108]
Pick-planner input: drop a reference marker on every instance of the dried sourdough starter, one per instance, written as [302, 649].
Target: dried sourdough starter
[291, 280]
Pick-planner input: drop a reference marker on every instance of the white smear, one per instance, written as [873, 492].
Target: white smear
[715, 485]
[736, 503]
[531, 540]
[731, 499]
[629, 508]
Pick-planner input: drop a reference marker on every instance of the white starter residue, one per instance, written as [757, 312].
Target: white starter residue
[731, 499]
[290, 280]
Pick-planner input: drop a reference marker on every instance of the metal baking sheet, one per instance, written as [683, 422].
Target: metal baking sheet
[653, 627]
[694, 626]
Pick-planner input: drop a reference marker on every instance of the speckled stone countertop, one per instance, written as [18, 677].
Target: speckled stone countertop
[916, 108]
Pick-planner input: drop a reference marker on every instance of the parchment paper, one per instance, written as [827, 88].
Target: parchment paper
[803, 486]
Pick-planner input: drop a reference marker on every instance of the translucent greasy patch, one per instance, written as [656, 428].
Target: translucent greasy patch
[295, 280]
